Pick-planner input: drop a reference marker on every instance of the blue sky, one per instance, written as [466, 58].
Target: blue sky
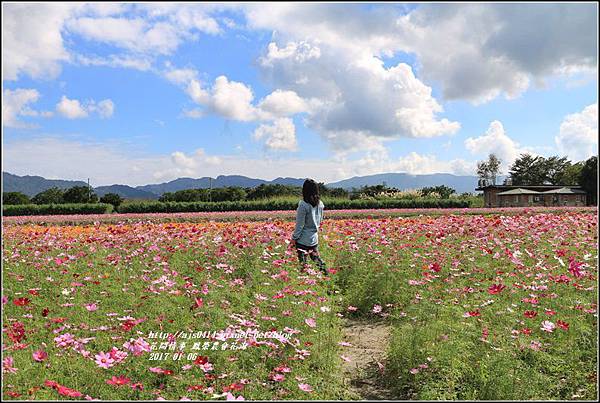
[145, 93]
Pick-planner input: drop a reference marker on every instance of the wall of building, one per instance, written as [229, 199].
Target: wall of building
[540, 200]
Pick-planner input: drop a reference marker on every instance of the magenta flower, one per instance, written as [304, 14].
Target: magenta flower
[103, 360]
[7, 365]
[40, 355]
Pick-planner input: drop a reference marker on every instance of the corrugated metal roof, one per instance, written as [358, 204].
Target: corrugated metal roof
[565, 191]
[519, 191]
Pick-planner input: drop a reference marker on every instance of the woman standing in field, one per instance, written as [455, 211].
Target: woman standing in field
[308, 219]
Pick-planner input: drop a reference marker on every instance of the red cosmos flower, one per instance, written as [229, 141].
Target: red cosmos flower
[118, 380]
[435, 267]
[21, 301]
[562, 325]
[192, 388]
[496, 288]
[526, 331]
[17, 332]
[45, 312]
[550, 312]
[575, 267]
[198, 303]
[471, 314]
[201, 360]
[530, 314]
[33, 292]
[13, 394]
[127, 325]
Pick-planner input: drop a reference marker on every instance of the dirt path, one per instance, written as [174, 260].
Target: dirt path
[362, 374]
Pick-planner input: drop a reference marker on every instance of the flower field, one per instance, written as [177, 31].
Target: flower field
[494, 306]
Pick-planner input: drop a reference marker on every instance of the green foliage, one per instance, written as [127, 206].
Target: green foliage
[14, 198]
[49, 196]
[529, 170]
[588, 179]
[265, 191]
[112, 198]
[283, 204]
[57, 209]
[80, 194]
[443, 190]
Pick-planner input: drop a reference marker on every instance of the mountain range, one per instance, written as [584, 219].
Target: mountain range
[32, 185]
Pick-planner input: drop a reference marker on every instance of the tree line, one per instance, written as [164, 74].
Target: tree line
[54, 195]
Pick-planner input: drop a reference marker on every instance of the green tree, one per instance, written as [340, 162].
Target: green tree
[80, 194]
[443, 190]
[489, 169]
[588, 180]
[49, 196]
[112, 198]
[15, 198]
[528, 170]
[570, 175]
[555, 169]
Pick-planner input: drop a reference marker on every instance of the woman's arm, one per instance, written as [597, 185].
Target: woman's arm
[300, 219]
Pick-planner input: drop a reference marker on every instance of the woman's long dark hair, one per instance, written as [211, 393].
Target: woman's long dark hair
[310, 192]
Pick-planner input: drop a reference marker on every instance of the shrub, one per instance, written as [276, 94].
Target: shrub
[284, 204]
[15, 198]
[57, 209]
[112, 198]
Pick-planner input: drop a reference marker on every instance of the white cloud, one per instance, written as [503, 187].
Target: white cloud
[32, 43]
[73, 109]
[355, 95]
[496, 141]
[104, 108]
[33, 34]
[282, 103]
[16, 103]
[578, 136]
[281, 135]
[475, 52]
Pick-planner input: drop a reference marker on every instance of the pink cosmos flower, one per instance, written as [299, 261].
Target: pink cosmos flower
[305, 387]
[137, 347]
[231, 397]
[278, 377]
[377, 308]
[310, 322]
[64, 340]
[103, 360]
[7, 365]
[40, 355]
[548, 326]
[91, 307]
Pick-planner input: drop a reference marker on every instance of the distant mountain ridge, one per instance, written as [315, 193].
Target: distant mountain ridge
[403, 181]
[32, 185]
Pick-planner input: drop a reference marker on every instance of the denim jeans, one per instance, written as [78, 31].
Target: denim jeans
[313, 252]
